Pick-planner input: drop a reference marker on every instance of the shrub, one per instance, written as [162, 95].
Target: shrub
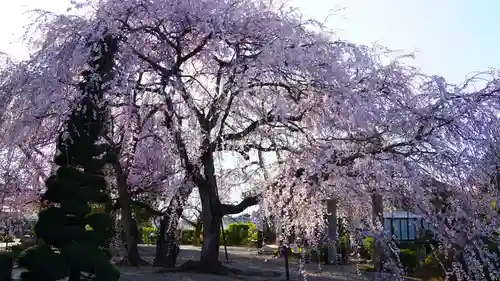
[149, 235]
[237, 234]
[221, 238]
[241, 234]
[492, 245]
[410, 245]
[431, 269]
[366, 251]
[69, 249]
[253, 235]
[6, 266]
[408, 259]
[187, 236]
[16, 250]
[344, 241]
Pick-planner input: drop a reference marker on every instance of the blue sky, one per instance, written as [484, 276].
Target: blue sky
[450, 37]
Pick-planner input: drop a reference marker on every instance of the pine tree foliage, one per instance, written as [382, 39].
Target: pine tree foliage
[74, 238]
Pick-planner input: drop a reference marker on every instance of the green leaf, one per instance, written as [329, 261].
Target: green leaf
[70, 174]
[42, 261]
[84, 255]
[75, 207]
[102, 227]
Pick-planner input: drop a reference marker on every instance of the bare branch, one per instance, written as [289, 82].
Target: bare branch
[227, 209]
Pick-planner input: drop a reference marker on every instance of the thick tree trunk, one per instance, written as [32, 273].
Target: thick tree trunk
[212, 220]
[211, 242]
[130, 228]
[212, 211]
[166, 246]
[133, 257]
[260, 239]
[331, 206]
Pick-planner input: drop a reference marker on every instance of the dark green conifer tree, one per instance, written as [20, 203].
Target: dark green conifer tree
[74, 239]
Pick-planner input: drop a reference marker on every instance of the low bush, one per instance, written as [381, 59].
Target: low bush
[187, 236]
[366, 251]
[410, 245]
[237, 234]
[409, 260]
[149, 235]
[241, 234]
[16, 250]
[431, 270]
[6, 266]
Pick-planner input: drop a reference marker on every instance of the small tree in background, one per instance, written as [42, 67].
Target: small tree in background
[75, 237]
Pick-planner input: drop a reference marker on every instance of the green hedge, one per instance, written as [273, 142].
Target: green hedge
[409, 260]
[407, 254]
[431, 269]
[187, 236]
[241, 234]
[366, 251]
[149, 235]
[237, 234]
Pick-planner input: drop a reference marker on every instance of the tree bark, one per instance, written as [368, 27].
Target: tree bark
[378, 219]
[166, 246]
[260, 239]
[212, 211]
[212, 219]
[331, 206]
[132, 256]
[166, 255]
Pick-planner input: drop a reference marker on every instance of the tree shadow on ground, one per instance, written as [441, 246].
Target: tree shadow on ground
[247, 265]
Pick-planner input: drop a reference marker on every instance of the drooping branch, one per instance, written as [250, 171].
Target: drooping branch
[227, 209]
[141, 205]
[190, 222]
[27, 154]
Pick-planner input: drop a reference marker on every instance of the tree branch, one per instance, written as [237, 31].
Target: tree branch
[254, 125]
[139, 204]
[190, 222]
[227, 209]
[245, 148]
